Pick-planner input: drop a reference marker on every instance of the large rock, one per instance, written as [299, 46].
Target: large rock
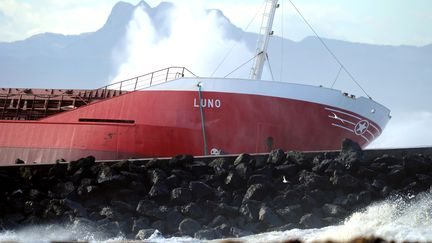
[122, 207]
[349, 146]
[346, 200]
[237, 232]
[159, 191]
[88, 191]
[309, 202]
[180, 160]
[257, 179]
[364, 198]
[139, 224]
[144, 234]
[201, 190]
[192, 210]
[85, 163]
[63, 189]
[158, 225]
[267, 171]
[298, 158]
[396, 175]
[107, 212]
[111, 228]
[157, 175]
[208, 234]
[291, 197]
[321, 196]
[150, 208]
[189, 227]
[417, 164]
[223, 209]
[351, 155]
[291, 213]
[58, 171]
[244, 170]
[32, 208]
[220, 166]
[276, 156]
[268, 217]
[181, 196]
[328, 167]
[288, 170]
[343, 180]
[314, 181]
[122, 165]
[333, 210]
[183, 175]
[424, 179]
[250, 210]
[172, 220]
[234, 181]
[75, 207]
[256, 192]
[311, 221]
[243, 159]
[222, 195]
[114, 181]
[197, 168]
[172, 181]
[218, 220]
[364, 172]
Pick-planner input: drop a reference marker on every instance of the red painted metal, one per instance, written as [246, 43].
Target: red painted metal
[166, 123]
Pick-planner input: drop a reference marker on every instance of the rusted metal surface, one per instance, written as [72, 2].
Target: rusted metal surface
[34, 104]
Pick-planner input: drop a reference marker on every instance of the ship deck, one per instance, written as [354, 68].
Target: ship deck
[34, 104]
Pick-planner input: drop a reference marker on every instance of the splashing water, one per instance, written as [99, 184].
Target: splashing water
[397, 218]
[196, 39]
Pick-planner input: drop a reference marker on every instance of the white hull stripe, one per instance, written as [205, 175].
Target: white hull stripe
[350, 130]
[354, 124]
[340, 119]
[353, 116]
[362, 106]
[346, 128]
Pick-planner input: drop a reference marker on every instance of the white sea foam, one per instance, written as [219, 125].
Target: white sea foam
[398, 218]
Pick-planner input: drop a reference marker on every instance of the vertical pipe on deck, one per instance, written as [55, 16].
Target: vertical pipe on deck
[202, 119]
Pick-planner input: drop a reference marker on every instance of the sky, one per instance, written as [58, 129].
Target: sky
[387, 22]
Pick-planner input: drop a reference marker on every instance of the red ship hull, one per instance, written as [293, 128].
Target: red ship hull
[239, 116]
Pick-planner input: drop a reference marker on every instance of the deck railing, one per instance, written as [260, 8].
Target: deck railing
[149, 79]
[33, 104]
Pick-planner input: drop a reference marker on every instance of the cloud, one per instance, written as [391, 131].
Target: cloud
[409, 129]
[195, 40]
[22, 19]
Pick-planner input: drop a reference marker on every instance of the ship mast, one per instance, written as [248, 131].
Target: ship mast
[265, 33]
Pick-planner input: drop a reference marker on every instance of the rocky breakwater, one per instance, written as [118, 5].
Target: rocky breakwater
[210, 197]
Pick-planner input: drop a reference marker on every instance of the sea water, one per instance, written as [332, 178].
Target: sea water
[399, 218]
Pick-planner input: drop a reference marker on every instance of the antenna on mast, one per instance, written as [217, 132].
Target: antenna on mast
[265, 33]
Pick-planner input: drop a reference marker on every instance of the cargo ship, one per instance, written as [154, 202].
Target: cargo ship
[172, 111]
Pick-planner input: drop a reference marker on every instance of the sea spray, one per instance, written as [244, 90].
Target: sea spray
[398, 218]
[192, 36]
[57, 232]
